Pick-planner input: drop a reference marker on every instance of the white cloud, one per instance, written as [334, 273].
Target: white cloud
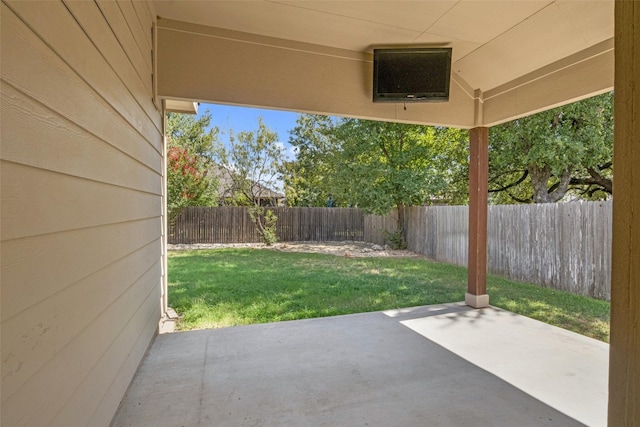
[290, 152]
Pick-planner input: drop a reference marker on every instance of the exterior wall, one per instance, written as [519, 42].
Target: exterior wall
[81, 207]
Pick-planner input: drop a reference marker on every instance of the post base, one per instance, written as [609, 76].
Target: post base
[476, 301]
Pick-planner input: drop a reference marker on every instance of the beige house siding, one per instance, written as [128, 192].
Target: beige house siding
[81, 202]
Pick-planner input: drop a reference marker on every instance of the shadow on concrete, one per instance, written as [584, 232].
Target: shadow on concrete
[370, 369]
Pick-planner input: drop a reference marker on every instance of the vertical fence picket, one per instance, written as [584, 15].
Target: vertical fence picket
[565, 246]
[232, 224]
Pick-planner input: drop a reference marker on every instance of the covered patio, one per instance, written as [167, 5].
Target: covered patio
[85, 89]
[510, 59]
[444, 365]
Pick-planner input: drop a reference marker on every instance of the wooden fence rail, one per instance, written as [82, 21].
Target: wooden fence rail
[376, 226]
[565, 246]
[231, 224]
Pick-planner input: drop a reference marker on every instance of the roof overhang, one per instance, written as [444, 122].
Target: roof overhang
[178, 106]
[510, 58]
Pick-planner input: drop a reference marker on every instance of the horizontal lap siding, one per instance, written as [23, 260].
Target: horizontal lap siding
[52, 139]
[81, 202]
[40, 202]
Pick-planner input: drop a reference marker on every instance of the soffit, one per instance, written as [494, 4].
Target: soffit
[498, 46]
[493, 42]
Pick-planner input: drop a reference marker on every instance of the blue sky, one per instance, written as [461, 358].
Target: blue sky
[240, 119]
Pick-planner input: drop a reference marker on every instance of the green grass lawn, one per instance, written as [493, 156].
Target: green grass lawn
[227, 287]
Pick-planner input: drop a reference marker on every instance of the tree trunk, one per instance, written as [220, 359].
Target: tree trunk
[400, 221]
[540, 180]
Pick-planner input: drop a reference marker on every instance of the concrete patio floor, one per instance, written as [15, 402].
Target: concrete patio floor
[444, 365]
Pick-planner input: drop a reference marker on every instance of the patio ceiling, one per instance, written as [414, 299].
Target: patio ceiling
[510, 58]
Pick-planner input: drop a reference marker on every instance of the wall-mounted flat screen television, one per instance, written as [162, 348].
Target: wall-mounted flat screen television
[411, 75]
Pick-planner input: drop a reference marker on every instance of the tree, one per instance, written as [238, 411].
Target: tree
[254, 160]
[385, 165]
[451, 163]
[190, 146]
[307, 180]
[376, 165]
[194, 133]
[543, 157]
[392, 165]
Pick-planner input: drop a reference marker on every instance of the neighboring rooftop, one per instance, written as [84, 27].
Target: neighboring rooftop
[228, 187]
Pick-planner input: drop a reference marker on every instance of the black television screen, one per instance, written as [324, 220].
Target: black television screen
[411, 75]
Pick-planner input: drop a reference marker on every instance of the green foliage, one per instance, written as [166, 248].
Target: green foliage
[227, 287]
[189, 147]
[265, 221]
[375, 165]
[269, 235]
[384, 165]
[308, 179]
[395, 239]
[193, 133]
[543, 157]
[255, 160]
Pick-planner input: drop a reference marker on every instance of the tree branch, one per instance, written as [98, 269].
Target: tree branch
[560, 188]
[604, 166]
[603, 184]
[513, 184]
[385, 152]
[519, 200]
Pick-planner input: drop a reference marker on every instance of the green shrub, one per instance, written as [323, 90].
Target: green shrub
[395, 239]
[265, 223]
[269, 232]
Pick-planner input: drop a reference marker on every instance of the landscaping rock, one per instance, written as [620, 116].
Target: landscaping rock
[344, 248]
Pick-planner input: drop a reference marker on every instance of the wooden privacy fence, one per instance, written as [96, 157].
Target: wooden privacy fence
[565, 246]
[231, 224]
[375, 227]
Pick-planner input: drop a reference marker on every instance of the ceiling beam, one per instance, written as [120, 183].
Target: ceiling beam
[584, 74]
